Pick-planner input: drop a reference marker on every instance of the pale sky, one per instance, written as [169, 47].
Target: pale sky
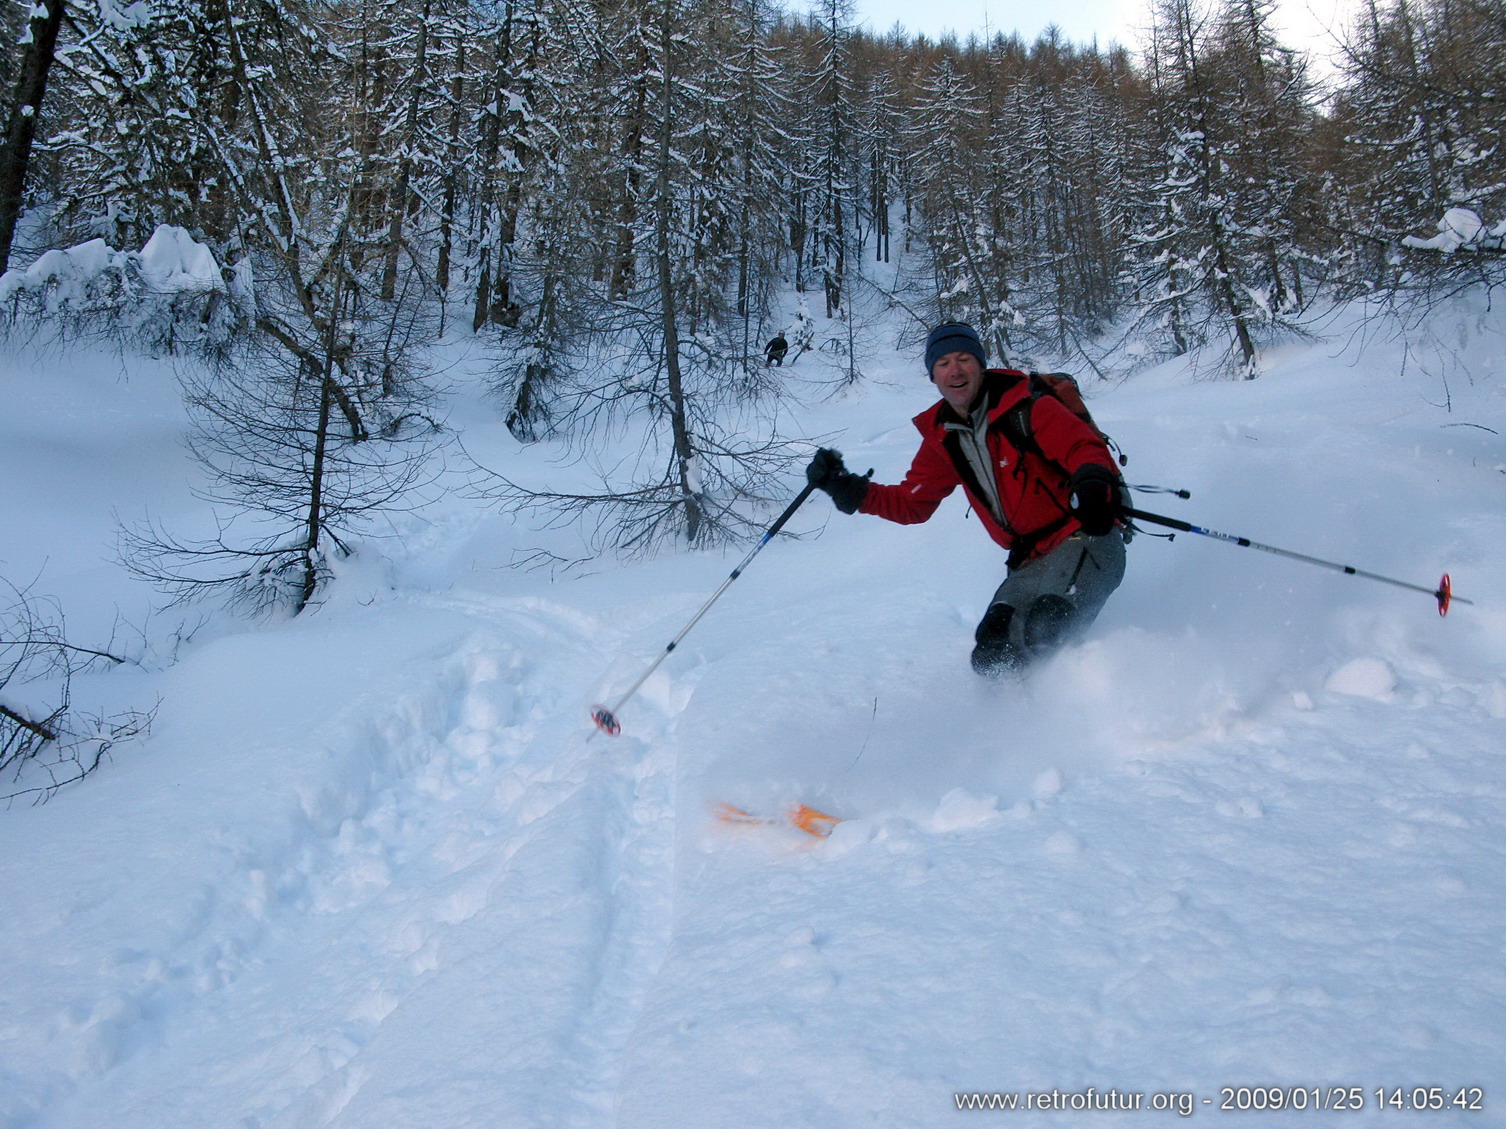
[1303, 23]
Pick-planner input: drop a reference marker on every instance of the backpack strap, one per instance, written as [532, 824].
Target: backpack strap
[1018, 422]
[1018, 427]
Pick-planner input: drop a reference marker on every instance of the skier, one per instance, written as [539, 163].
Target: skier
[776, 349]
[1042, 482]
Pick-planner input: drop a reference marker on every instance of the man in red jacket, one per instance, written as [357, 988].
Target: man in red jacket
[1042, 482]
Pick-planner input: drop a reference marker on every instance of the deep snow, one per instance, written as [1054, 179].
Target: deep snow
[372, 868]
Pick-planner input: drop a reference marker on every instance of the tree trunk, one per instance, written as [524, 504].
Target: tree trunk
[314, 525]
[452, 178]
[684, 451]
[404, 202]
[31, 87]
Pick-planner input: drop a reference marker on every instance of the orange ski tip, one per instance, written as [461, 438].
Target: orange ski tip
[730, 813]
[800, 816]
[811, 821]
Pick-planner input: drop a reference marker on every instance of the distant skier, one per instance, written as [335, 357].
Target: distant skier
[776, 349]
[1054, 505]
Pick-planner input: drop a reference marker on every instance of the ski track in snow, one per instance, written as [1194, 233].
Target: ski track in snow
[488, 821]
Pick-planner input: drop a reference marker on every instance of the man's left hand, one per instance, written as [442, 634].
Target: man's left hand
[1095, 499]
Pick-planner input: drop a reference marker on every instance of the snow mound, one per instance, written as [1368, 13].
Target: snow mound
[960, 809]
[1364, 678]
[173, 260]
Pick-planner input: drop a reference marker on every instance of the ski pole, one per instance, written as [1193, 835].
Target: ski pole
[605, 717]
[1444, 593]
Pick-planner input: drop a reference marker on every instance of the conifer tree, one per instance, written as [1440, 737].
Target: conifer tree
[1267, 117]
[1211, 233]
[965, 220]
[306, 423]
[759, 105]
[1423, 112]
[830, 130]
[881, 129]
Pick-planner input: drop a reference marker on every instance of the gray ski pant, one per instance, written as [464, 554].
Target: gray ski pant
[1048, 602]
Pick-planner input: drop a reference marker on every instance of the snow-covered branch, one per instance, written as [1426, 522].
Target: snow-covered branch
[1462, 230]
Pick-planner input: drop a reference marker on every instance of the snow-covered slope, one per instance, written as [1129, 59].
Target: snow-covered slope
[373, 869]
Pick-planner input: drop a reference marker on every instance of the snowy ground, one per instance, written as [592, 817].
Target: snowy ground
[371, 869]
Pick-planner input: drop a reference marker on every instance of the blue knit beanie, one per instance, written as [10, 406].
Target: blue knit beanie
[953, 337]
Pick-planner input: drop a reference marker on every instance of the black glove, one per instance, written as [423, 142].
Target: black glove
[1095, 499]
[824, 463]
[827, 472]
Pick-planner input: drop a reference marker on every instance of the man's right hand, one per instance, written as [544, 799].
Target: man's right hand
[824, 464]
[827, 472]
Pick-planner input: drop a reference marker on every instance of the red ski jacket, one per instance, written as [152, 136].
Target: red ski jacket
[1034, 489]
